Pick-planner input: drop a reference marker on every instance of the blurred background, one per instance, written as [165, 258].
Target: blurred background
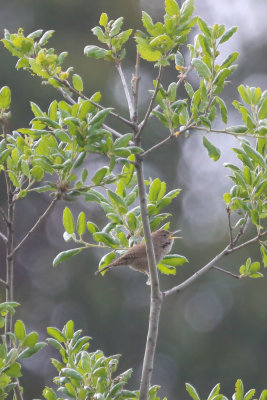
[216, 330]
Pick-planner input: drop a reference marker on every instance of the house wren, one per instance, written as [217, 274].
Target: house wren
[136, 256]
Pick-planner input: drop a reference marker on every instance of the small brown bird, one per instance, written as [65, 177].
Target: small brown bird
[136, 257]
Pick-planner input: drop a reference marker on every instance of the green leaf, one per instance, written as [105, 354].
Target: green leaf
[262, 114]
[46, 36]
[105, 238]
[49, 394]
[14, 370]
[77, 82]
[229, 60]
[192, 391]
[71, 373]
[227, 198]
[187, 10]
[31, 339]
[202, 68]
[106, 260]
[103, 20]
[94, 51]
[92, 228]
[166, 270]
[146, 51]
[19, 330]
[213, 151]
[117, 201]
[68, 221]
[99, 176]
[154, 190]
[204, 27]
[5, 97]
[245, 96]
[254, 154]
[239, 390]
[81, 223]
[65, 255]
[69, 329]
[228, 34]
[172, 8]
[56, 334]
[179, 59]
[223, 109]
[37, 172]
[116, 26]
[264, 255]
[238, 129]
[174, 260]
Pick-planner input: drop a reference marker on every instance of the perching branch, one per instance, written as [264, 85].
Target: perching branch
[35, 226]
[3, 283]
[228, 209]
[155, 294]
[207, 267]
[126, 91]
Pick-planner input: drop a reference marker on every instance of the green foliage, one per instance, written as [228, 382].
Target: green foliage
[14, 346]
[85, 375]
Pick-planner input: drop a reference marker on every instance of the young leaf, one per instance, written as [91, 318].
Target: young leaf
[19, 330]
[106, 239]
[56, 334]
[65, 255]
[228, 34]
[77, 82]
[68, 221]
[99, 175]
[5, 97]
[81, 223]
[172, 8]
[202, 68]
[213, 151]
[192, 391]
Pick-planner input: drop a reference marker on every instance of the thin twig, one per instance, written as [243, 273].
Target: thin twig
[228, 209]
[2, 236]
[35, 226]
[227, 272]
[241, 246]
[80, 94]
[207, 267]
[17, 391]
[126, 91]
[225, 131]
[241, 230]
[151, 104]
[171, 136]
[135, 88]
[111, 130]
[3, 215]
[3, 283]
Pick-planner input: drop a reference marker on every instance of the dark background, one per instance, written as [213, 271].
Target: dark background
[215, 331]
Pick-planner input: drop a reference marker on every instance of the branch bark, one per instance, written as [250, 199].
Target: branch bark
[155, 294]
[207, 267]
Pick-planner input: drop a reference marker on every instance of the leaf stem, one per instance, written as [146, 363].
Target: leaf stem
[126, 91]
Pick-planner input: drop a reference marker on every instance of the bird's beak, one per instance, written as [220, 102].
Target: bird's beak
[175, 237]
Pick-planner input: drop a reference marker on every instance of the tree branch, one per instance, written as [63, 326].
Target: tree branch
[2, 236]
[35, 226]
[135, 88]
[241, 230]
[3, 215]
[3, 283]
[171, 136]
[225, 131]
[207, 267]
[155, 294]
[111, 130]
[126, 91]
[150, 107]
[227, 272]
[17, 391]
[80, 94]
[228, 209]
